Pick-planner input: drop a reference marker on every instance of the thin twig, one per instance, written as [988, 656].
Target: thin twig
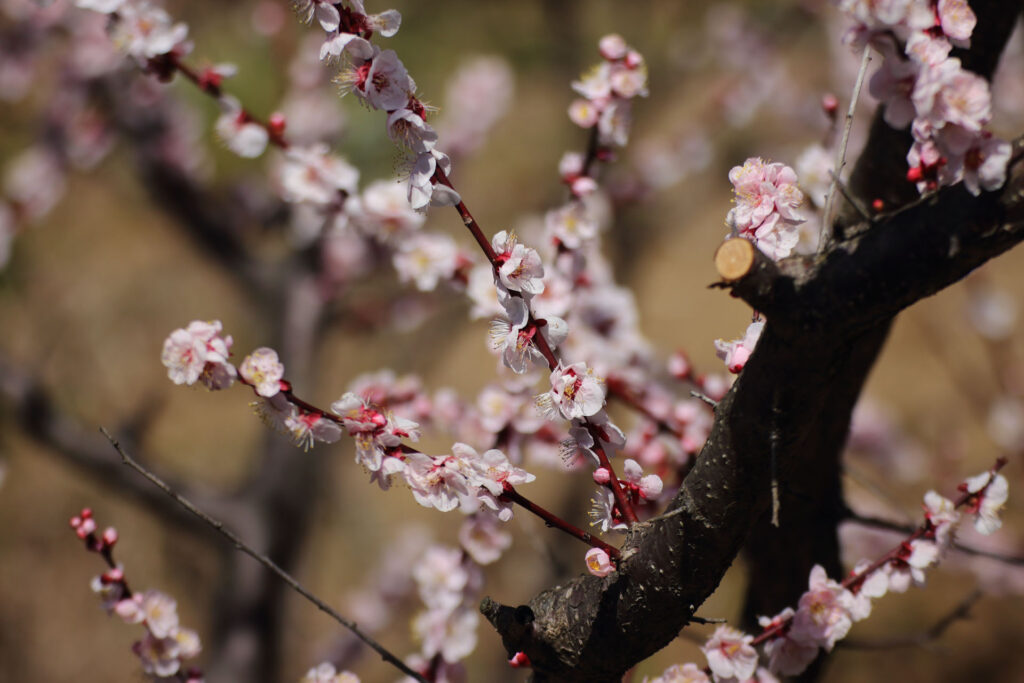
[704, 397]
[843, 190]
[825, 237]
[264, 560]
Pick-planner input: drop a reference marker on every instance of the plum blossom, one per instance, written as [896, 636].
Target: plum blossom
[909, 566]
[521, 269]
[598, 562]
[476, 97]
[199, 353]
[736, 353]
[730, 654]
[423, 191]
[386, 83]
[575, 392]
[426, 259]
[786, 655]
[238, 132]
[439, 482]
[449, 634]
[571, 224]
[384, 212]
[489, 474]
[767, 206]
[145, 31]
[992, 491]
[314, 175]
[942, 518]
[483, 538]
[326, 673]
[323, 10]
[823, 614]
[408, 129]
[681, 673]
[263, 371]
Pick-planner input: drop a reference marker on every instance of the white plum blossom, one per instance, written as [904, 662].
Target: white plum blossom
[314, 175]
[575, 392]
[489, 474]
[767, 206]
[426, 259]
[238, 132]
[993, 490]
[909, 567]
[263, 371]
[384, 212]
[145, 31]
[386, 83]
[449, 634]
[572, 224]
[730, 654]
[736, 353]
[423, 191]
[323, 10]
[438, 482]
[521, 269]
[408, 129]
[942, 518]
[598, 562]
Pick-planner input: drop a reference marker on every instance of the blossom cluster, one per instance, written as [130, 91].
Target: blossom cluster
[946, 106]
[767, 210]
[464, 478]
[380, 80]
[326, 673]
[828, 609]
[448, 583]
[607, 91]
[166, 644]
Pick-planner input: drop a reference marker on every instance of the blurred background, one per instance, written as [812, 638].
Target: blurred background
[104, 270]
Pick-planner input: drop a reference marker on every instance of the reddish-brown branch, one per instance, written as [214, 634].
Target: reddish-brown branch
[513, 496]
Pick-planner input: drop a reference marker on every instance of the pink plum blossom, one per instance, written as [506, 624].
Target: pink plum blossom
[823, 614]
[767, 203]
[426, 259]
[238, 132]
[786, 655]
[736, 353]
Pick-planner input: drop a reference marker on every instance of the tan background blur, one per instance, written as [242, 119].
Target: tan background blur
[92, 291]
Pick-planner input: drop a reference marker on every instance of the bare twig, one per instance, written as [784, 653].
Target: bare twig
[386, 655]
[825, 238]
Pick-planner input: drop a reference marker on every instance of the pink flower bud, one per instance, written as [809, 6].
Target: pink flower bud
[598, 562]
[519, 660]
[601, 475]
[830, 103]
[109, 536]
[679, 365]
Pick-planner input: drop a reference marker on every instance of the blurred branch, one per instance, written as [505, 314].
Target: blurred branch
[905, 529]
[961, 611]
[36, 413]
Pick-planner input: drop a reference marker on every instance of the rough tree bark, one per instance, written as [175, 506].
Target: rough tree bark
[828, 317]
